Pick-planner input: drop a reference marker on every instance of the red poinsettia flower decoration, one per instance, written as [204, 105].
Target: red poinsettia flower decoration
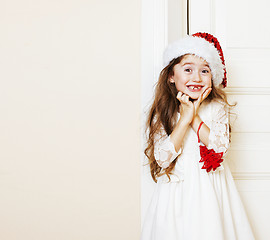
[210, 158]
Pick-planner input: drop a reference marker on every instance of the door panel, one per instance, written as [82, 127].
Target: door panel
[242, 28]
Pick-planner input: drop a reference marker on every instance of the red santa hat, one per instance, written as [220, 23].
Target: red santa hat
[203, 45]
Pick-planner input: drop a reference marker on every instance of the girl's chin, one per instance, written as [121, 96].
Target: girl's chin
[192, 99]
[193, 96]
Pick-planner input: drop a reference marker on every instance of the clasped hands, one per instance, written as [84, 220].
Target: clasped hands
[189, 109]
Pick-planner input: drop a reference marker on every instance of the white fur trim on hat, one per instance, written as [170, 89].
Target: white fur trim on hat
[201, 48]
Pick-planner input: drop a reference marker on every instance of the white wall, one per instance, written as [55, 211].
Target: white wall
[70, 119]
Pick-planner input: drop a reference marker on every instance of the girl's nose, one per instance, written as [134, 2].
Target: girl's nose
[197, 77]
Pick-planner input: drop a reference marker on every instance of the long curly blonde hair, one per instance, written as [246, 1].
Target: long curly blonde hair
[163, 113]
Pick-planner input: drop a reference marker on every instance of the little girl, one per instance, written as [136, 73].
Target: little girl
[195, 197]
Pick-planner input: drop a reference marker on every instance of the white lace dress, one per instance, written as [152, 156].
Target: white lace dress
[196, 204]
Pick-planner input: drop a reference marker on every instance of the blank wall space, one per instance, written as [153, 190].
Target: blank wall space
[70, 120]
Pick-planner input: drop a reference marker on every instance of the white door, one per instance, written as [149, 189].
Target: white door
[242, 29]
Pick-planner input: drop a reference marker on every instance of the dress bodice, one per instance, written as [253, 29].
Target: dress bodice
[215, 115]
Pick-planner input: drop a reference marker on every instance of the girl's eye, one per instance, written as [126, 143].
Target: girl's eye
[187, 70]
[205, 71]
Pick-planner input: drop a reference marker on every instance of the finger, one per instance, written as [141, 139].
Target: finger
[205, 90]
[201, 97]
[182, 99]
[206, 93]
[198, 101]
[187, 98]
[179, 95]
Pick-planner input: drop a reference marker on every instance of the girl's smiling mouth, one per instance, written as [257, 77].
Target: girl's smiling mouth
[194, 88]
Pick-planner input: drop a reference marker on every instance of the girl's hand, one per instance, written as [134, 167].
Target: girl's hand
[203, 96]
[187, 108]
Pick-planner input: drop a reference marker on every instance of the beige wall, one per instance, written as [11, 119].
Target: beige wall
[70, 119]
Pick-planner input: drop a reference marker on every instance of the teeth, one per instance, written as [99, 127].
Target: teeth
[192, 87]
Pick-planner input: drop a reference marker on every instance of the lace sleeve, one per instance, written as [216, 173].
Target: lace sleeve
[164, 150]
[219, 131]
[212, 156]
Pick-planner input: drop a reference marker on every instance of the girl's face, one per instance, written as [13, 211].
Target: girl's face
[192, 76]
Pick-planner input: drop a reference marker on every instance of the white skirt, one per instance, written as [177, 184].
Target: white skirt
[198, 206]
